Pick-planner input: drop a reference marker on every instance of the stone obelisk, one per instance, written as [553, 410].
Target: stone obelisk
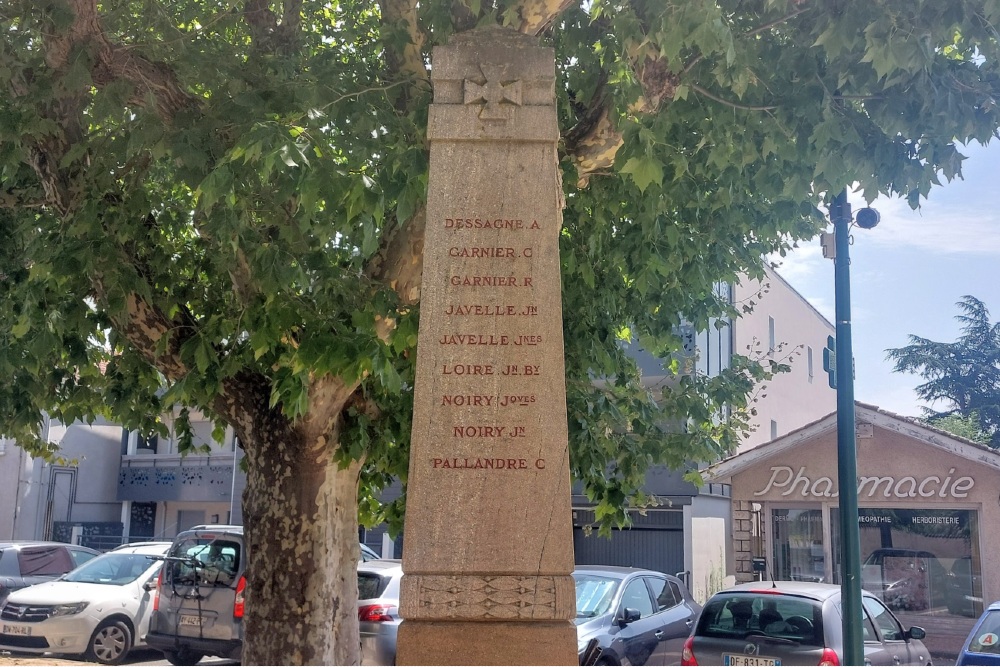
[488, 549]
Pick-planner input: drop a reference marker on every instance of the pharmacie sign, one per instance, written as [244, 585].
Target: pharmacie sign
[790, 482]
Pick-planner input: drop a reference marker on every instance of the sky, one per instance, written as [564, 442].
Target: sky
[908, 273]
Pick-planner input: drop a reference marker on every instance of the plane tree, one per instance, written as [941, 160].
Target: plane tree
[219, 204]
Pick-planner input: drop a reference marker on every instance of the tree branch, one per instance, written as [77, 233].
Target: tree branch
[9, 200]
[701, 91]
[787, 17]
[537, 15]
[267, 32]
[406, 62]
[150, 80]
[594, 142]
[144, 326]
[399, 265]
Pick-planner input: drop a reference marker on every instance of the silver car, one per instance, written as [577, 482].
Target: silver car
[28, 563]
[201, 594]
[768, 623]
[378, 610]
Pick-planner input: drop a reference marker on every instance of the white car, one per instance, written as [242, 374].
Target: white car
[99, 610]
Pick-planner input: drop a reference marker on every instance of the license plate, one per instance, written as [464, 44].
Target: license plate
[734, 660]
[21, 630]
[191, 620]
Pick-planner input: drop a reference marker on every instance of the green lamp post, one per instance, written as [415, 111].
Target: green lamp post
[842, 378]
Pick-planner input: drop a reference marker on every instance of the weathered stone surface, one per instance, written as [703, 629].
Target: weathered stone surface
[488, 553]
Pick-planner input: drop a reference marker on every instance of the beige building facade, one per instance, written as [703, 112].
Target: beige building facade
[783, 326]
[927, 511]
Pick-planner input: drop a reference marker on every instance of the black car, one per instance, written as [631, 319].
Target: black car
[26, 563]
[628, 616]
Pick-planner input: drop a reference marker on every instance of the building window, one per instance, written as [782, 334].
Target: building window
[809, 361]
[770, 336]
[797, 544]
[774, 429]
[918, 559]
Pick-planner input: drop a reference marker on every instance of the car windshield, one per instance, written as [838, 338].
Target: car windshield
[782, 616]
[113, 569]
[594, 594]
[986, 637]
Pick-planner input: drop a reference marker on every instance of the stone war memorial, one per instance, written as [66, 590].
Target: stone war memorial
[488, 555]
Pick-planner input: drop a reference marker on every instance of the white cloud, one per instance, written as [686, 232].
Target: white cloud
[802, 265]
[965, 230]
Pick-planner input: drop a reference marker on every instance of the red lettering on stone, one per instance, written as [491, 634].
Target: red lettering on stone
[483, 253]
[466, 369]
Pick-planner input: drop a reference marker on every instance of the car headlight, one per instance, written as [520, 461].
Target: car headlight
[68, 609]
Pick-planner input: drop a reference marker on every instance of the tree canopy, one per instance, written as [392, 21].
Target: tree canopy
[964, 374]
[219, 203]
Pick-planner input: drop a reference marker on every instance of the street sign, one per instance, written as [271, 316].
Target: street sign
[830, 360]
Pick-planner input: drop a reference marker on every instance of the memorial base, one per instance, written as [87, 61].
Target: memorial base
[486, 643]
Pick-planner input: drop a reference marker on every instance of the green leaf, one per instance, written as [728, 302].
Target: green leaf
[644, 170]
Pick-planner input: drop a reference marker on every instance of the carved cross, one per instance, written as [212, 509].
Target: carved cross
[493, 93]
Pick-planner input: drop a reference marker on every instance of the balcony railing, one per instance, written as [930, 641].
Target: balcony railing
[161, 477]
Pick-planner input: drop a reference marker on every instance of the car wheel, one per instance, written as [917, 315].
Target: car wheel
[185, 656]
[110, 643]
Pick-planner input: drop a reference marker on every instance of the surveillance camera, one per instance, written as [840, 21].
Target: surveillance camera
[867, 218]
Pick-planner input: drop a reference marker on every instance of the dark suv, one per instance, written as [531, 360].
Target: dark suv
[26, 563]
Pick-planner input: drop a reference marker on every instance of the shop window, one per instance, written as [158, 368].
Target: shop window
[797, 539]
[922, 561]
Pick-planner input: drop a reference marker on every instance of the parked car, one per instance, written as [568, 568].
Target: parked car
[200, 595]
[635, 616]
[99, 610]
[905, 579]
[378, 610]
[27, 563]
[965, 589]
[631, 616]
[795, 623]
[982, 647]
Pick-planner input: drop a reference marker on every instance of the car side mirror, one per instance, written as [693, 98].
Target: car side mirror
[149, 585]
[629, 615]
[916, 632]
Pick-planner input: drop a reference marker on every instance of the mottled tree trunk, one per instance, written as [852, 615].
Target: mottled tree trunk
[300, 511]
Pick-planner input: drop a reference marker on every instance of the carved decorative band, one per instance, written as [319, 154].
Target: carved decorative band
[488, 597]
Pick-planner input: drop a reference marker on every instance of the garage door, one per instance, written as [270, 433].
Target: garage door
[654, 548]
